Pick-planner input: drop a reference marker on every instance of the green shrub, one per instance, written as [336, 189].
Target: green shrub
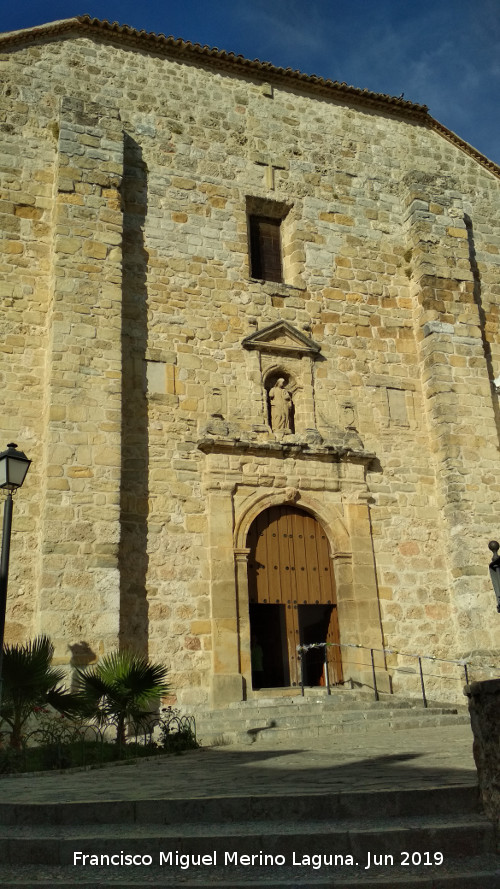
[122, 687]
[30, 684]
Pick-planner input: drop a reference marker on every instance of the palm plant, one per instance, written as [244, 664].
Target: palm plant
[123, 687]
[30, 683]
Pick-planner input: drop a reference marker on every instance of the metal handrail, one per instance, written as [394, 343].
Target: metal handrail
[462, 662]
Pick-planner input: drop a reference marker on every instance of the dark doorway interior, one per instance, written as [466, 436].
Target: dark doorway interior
[268, 630]
[290, 563]
[314, 621]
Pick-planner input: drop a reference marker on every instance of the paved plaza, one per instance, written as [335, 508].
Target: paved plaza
[375, 760]
[259, 799]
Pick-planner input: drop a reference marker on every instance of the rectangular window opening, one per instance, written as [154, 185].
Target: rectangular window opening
[265, 248]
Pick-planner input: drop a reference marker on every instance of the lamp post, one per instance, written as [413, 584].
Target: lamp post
[494, 546]
[13, 468]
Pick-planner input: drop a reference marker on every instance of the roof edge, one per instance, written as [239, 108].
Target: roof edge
[465, 146]
[129, 35]
[179, 48]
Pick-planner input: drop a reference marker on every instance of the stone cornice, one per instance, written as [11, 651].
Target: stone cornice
[301, 450]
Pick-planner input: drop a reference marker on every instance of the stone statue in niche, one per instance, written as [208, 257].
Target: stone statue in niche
[281, 404]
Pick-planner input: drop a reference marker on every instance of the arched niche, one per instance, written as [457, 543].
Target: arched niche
[271, 381]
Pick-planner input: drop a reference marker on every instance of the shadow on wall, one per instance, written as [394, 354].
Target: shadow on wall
[133, 558]
[482, 317]
[82, 654]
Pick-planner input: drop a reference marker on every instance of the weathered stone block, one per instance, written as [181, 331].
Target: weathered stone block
[484, 709]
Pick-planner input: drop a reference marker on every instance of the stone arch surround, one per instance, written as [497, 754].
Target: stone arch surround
[347, 526]
[359, 614]
[334, 526]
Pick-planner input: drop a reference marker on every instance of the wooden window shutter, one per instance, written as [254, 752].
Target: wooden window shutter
[265, 248]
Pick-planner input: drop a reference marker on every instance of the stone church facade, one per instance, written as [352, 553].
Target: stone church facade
[250, 332]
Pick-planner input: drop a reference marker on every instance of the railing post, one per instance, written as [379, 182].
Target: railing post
[327, 674]
[377, 697]
[422, 681]
[302, 650]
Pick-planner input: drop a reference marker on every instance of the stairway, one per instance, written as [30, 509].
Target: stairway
[271, 719]
[421, 828]
[430, 838]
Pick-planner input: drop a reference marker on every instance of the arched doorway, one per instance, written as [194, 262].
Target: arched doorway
[292, 598]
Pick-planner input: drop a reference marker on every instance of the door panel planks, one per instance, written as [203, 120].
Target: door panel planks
[290, 565]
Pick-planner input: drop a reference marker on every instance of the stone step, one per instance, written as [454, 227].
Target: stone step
[335, 699]
[331, 806]
[279, 730]
[235, 851]
[478, 872]
[429, 838]
[272, 696]
[223, 845]
[342, 711]
[460, 835]
[314, 694]
[267, 698]
[309, 708]
[321, 712]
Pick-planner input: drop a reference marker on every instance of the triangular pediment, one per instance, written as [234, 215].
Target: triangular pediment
[281, 338]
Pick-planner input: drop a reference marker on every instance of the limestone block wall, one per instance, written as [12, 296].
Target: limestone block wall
[26, 185]
[456, 369]
[80, 532]
[391, 236]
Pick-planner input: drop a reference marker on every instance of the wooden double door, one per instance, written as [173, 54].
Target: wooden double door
[292, 599]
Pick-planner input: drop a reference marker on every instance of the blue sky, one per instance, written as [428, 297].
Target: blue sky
[444, 54]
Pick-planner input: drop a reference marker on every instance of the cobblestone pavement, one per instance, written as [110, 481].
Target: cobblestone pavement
[375, 760]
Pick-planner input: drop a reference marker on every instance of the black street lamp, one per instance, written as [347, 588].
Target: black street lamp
[494, 546]
[13, 468]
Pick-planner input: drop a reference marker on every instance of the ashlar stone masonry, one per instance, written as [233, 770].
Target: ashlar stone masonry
[193, 426]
